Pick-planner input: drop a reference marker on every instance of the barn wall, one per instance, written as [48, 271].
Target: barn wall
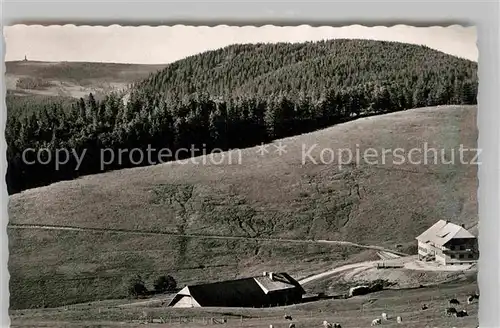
[186, 302]
[285, 297]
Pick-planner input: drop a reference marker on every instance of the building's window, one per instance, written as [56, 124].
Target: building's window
[462, 247]
[470, 256]
[452, 247]
[461, 256]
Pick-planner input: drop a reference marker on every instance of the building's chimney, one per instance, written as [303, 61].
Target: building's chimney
[463, 225]
[265, 274]
[271, 275]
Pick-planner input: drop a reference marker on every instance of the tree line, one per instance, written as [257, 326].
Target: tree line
[234, 97]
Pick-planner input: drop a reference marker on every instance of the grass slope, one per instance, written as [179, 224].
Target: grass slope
[264, 196]
[351, 313]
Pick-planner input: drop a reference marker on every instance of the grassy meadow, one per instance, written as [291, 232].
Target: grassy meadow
[263, 196]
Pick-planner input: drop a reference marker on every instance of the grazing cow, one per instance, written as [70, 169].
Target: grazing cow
[326, 324]
[271, 326]
[461, 313]
[454, 301]
[450, 311]
[288, 317]
[472, 297]
[424, 307]
[384, 316]
[337, 325]
[376, 322]
[399, 319]
[292, 325]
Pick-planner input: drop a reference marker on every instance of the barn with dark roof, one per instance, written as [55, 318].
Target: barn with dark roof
[269, 289]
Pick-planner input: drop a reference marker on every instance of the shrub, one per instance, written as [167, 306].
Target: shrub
[136, 287]
[165, 283]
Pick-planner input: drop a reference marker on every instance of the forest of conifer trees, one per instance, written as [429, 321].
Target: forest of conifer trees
[234, 97]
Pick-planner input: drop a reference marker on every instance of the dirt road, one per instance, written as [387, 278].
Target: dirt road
[387, 255]
[388, 259]
[333, 271]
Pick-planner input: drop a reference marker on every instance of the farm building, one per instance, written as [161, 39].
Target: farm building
[269, 289]
[448, 244]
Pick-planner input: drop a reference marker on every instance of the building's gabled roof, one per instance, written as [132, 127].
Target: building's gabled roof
[442, 232]
[280, 281]
[431, 233]
[240, 292]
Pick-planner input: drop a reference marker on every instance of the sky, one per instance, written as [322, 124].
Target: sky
[165, 44]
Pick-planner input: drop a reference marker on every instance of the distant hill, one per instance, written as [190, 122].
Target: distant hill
[266, 196]
[312, 68]
[235, 97]
[72, 79]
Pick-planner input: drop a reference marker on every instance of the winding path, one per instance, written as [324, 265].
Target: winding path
[174, 234]
[383, 253]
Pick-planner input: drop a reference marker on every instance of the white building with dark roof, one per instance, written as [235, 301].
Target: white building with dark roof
[448, 244]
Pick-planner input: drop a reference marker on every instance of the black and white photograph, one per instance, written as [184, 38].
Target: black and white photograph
[256, 176]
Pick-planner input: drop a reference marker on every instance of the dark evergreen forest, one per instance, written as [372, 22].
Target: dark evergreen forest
[234, 97]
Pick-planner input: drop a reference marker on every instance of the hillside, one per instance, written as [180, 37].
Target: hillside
[268, 196]
[235, 97]
[351, 313]
[72, 79]
[311, 68]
